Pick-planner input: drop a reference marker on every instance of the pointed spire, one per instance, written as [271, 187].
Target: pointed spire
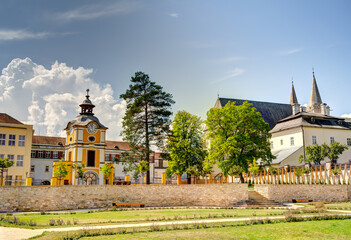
[293, 98]
[315, 97]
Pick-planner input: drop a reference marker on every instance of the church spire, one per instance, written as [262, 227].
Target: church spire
[315, 97]
[293, 98]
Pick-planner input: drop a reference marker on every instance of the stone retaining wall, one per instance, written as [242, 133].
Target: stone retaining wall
[40, 198]
[285, 193]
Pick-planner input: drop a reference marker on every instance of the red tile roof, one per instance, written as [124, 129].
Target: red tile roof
[48, 140]
[119, 144]
[4, 118]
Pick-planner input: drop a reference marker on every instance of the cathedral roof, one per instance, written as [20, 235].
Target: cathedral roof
[315, 97]
[271, 112]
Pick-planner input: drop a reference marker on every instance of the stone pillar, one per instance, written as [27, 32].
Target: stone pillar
[179, 179]
[29, 181]
[164, 178]
[53, 181]
[211, 178]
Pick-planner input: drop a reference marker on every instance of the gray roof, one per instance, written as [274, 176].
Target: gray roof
[315, 97]
[271, 112]
[84, 120]
[311, 120]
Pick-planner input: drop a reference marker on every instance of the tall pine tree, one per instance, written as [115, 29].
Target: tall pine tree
[147, 118]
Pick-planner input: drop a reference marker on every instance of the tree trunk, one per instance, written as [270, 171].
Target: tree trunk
[147, 157]
[188, 177]
[241, 178]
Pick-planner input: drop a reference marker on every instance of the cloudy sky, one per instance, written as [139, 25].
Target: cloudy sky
[51, 51]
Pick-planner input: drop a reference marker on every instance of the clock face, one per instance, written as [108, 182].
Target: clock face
[92, 128]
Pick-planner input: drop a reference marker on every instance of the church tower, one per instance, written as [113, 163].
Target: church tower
[86, 143]
[315, 104]
[293, 101]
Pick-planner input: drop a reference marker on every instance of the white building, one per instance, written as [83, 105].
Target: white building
[308, 126]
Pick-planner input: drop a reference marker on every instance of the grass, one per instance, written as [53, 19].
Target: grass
[339, 206]
[138, 215]
[330, 229]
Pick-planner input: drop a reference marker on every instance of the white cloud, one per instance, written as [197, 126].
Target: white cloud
[348, 115]
[289, 52]
[21, 35]
[96, 11]
[231, 74]
[174, 15]
[49, 97]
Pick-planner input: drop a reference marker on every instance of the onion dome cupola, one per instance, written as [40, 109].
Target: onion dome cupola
[87, 106]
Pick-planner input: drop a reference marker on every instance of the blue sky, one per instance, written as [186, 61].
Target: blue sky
[194, 49]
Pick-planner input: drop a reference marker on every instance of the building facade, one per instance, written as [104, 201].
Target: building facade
[15, 144]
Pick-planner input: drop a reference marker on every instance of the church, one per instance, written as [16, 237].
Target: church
[293, 127]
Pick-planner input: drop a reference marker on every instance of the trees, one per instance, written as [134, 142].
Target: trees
[238, 135]
[147, 117]
[333, 151]
[4, 165]
[106, 170]
[60, 170]
[316, 153]
[185, 146]
[80, 172]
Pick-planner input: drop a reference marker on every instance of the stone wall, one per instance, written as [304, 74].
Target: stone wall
[40, 198]
[285, 193]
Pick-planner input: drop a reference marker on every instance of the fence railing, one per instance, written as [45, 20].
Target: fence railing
[317, 175]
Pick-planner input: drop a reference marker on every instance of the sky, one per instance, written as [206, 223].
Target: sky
[52, 51]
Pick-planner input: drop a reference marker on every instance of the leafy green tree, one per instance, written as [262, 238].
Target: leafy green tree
[4, 164]
[333, 151]
[61, 170]
[143, 167]
[298, 173]
[80, 173]
[254, 169]
[238, 135]
[147, 117]
[106, 171]
[313, 154]
[185, 145]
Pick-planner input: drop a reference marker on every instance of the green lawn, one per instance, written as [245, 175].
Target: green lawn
[342, 205]
[331, 229]
[143, 215]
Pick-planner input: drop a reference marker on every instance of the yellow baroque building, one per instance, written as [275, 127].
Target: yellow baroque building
[85, 145]
[15, 144]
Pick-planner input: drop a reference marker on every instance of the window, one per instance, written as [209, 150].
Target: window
[69, 156]
[19, 162]
[32, 154]
[292, 143]
[271, 144]
[40, 154]
[21, 140]
[107, 157]
[8, 181]
[46, 168]
[32, 168]
[2, 139]
[349, 142]
[91, 159]
[55, 155]
[281, 141]
[12, 140]
[314, 140]
[18, 180]
[2, 156]
[11, 158]
[47, 154]
[332, 140]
